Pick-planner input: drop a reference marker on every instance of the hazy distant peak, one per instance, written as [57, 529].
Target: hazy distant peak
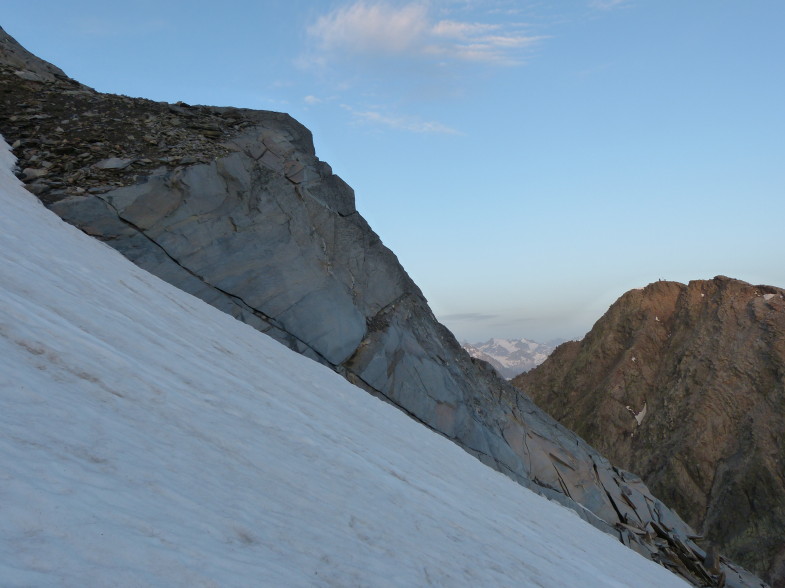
[510, 357]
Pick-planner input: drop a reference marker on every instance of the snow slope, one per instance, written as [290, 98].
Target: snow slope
[147, 439]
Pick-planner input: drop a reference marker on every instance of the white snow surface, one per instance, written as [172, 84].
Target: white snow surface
[147, 439]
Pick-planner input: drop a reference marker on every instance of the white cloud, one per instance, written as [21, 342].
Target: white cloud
[403, 52]
[401, 122]
[461, 30]
[375, 27]
[311, 100]
[606, 4]
[378, 28]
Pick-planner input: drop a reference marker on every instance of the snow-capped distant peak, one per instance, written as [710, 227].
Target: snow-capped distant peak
[510, 357]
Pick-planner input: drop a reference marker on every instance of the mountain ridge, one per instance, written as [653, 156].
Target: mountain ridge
[685, 384]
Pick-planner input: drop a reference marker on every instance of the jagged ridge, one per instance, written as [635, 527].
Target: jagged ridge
[685, 384]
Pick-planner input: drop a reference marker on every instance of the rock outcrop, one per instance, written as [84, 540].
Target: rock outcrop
[234, 207]
[686, 386]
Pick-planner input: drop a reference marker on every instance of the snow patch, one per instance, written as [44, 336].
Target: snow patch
[639, 416]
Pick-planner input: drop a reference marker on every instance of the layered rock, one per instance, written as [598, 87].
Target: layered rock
[234, 207]
[685, 384]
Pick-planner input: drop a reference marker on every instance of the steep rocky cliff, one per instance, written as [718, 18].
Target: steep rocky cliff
[234, 207]
[685, 385]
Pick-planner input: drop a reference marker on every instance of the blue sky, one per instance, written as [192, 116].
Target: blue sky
[528, 162]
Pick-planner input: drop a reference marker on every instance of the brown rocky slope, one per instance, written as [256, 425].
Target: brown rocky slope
[685, 385]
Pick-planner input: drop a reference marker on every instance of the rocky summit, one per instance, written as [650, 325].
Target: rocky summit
[685, 384]
[234, 207]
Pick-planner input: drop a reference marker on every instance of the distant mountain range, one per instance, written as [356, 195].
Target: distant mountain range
[510, 357]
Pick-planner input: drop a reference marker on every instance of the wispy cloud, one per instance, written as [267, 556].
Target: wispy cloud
[606, 4]
[368, 28]
[375, 27]
[513, 320]
[494, 320]
[468, 316]
[400, 122]
[400, 54]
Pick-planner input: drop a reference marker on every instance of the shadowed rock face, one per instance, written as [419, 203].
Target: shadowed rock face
[686, 386]
[234, 207]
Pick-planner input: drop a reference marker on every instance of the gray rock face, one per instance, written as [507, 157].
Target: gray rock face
[25, 65]
[248, 219]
